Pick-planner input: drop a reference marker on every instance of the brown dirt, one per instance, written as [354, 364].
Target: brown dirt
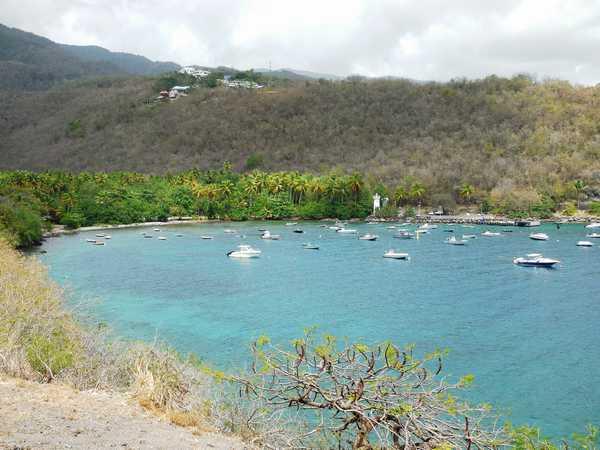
[53, 416]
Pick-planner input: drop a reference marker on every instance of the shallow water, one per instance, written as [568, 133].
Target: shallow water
[531, 336]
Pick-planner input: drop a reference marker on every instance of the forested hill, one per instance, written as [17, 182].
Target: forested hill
[31, 62]
[507, 135]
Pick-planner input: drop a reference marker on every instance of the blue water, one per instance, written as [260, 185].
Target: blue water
[530, 336]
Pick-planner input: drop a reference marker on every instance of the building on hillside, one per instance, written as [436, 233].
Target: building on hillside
[193, 71]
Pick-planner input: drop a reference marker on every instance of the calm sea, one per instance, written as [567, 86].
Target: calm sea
[530, 336]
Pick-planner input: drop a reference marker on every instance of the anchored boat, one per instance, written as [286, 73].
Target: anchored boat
[535, 260]
[393, 254]
[245, 251]
[539, 236]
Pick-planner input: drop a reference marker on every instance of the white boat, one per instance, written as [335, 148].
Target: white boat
[372, 223]
[469, 236]
[593, 235]
[100, 235]
[309, 246]
[335, 228]
[346, 231]
[535, 260]
[90, 240]
[245, 251]
[488, 233]
[533, 223]
[427, 226]
[391, 227]
[229, 231]
[393, 254]
[453, 241]
[404, 235]
[539, 236]
[162, 238]
[422, 231]
[585, 244]
[206, 237]
[98, 243]
[289, 224]
[593, 225]
[270, 237]
[157, 229]
[108, 236]
[368, 237]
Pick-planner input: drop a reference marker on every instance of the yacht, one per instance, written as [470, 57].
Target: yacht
[309, 246]
[539, 236]
[535, 260]
[393, 254]
[585, 244]
[245, 251]
[593, 225]
[453, 241]
[346, 231]
[368, 237]
[270, 237]
[593, 235]
[488, 233]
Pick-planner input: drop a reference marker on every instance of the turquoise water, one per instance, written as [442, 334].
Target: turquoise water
[531, 336]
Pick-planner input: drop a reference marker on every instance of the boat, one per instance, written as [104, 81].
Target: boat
[270, 237]
[162, 238]
[593, 235]
[449, 231]
[335, 228]
[535, 260]
[229, 231]
[368, 237]
[427, 226]
[391, 227]
[289, 224]
[585, 244]
[99, 243]
[309, 246]
[157, 229]
[298, 231]
[148, 236]
[245, 251]
[469, 236]
[90, 240]
[488, 233]
[206, 237]
[108, 236]
[593, 225]
[393, 254]
[453, 241]
[100, 235]
[372, 223]
[179, 235]
[539, 236]
[404, 235]
[422, 231]
[346, 231]
[528, 223]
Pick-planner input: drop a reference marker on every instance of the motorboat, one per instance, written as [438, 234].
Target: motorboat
[453, 241]
[469, 236]
[539, 236]
[393, 254]
[593, 225]
[270, 237]
[244, 251]
[346, 231]
[90, 240]
[100, 235]
[309, 246]
[99, 243]
[161, 238]
[593, 235]
[535, 260]
[298, 231]
[404, 235]
[207, 237]
[368, 237]
[528, 223]
[290, 224]
[229, 231]
[585, 244]
[488, 233]
[108, 236]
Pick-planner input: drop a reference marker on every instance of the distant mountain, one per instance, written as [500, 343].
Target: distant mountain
[31, 62]
[127, 62]
[315, 75]
[295, 74]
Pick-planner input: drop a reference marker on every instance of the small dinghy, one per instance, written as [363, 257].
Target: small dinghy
[404, 235]
[245, 251]
[162, 238]
[309, 246]
[270, 237]
[157, 229]
[90, 240]
[108, 236]
[539, 236]
[393, 254]
[368, 237]
[454, 241]
[346, 231]
[99, 243]
[229, 231]
[298, 231]
[488, 233]
[100, 235]
[585, 244]
[206, 237]
[535, 260]
[593, 235]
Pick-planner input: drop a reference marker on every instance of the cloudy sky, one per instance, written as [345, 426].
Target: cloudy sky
[420, 39]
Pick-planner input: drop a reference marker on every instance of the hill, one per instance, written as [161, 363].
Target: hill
[31, 62]
[499, 135]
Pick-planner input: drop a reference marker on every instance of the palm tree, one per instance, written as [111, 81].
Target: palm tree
[317, 187]
[466, 192]
[355, 184]
[579, 186]
[417, 191]
[400, 195]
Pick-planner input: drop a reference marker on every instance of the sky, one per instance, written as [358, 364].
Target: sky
[423, 40]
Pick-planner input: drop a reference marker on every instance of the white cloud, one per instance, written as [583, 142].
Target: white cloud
[426, 39]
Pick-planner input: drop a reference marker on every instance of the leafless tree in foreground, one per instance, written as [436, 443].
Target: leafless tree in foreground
[371, 396]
